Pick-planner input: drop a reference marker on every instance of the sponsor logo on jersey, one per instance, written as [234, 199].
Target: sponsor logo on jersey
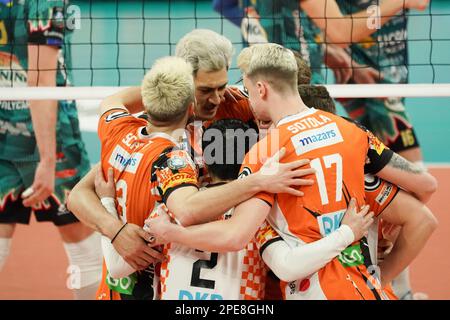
[317, 138]
[351, 256]
[197, 295]
[11, 71]
[123, 285]
[15, 129]
[13, 105]
[176, 180]
[116, 115]
[384, 195]
[245, 172]
[330, 222]
[375, 144]
[123, 161]
[371, 182]
[292, 287]
[176, 163]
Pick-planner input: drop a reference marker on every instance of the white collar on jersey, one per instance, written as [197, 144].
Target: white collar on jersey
[293, 117]
[155, 135]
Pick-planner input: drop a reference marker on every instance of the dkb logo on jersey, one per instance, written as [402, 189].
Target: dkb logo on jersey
[197, 295]
[316, 138]
[330, 222]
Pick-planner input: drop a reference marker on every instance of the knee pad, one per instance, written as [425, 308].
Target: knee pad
[5, 247]
[85, 262]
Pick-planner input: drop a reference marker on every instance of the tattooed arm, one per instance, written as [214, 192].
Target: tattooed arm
[409, 177]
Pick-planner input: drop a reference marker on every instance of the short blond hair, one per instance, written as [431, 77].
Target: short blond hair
[205, 49]
[270, 62]
[168, 89]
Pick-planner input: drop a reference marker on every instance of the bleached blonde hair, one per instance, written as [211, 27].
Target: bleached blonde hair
[270, 62]
[205, 49]
[168, 89]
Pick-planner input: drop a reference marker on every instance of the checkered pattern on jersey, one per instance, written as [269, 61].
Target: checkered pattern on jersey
[264, 234]
[164, 274]
[253, 277]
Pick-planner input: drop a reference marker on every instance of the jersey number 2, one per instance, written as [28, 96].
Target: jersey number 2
[320, 176]
[196, 281]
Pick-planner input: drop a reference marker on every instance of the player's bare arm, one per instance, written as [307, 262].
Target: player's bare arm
[42, 72]
[129, 98]
[417, 224]
[410, 177]
[235, 233]
[341, 29]
[130, 243]
[191, 206]
[218, 236]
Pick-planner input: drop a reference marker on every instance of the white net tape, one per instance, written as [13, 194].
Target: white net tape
[336, 91]
[88, 98]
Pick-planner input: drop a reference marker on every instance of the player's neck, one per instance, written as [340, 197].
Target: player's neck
[174, 130]
[217, 181]
[282, 107]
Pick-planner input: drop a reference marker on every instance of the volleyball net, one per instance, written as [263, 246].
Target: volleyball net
[115, 42]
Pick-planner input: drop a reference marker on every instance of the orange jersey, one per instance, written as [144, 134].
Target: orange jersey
[235, 106]
[379, 193]
[147, 167]
[265, 236]
[341, 152]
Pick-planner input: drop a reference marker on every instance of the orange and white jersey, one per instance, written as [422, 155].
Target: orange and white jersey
[190, 274]
[147, 167]
[379, 194]
[342, 153]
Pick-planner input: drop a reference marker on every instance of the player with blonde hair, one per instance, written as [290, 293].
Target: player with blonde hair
[340, 152]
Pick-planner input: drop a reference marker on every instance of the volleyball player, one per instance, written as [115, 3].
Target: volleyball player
[42, 155]
[240, 274]
[383, 58]
[268, 72]
[210, 56]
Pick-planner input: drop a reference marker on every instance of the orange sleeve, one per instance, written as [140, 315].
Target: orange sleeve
[265, 236]
[115, 120]
[378, 155]
[251, 164]
[379, 193]
[172, 170]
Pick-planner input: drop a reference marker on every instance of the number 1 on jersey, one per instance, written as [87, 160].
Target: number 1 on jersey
[320, 175]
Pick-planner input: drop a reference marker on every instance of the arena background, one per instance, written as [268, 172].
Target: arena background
[119, 40]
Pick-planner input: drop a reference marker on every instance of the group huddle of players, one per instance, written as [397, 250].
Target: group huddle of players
[296, 224]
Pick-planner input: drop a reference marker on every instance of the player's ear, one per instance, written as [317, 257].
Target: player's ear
[192, 106]
[262, 89]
